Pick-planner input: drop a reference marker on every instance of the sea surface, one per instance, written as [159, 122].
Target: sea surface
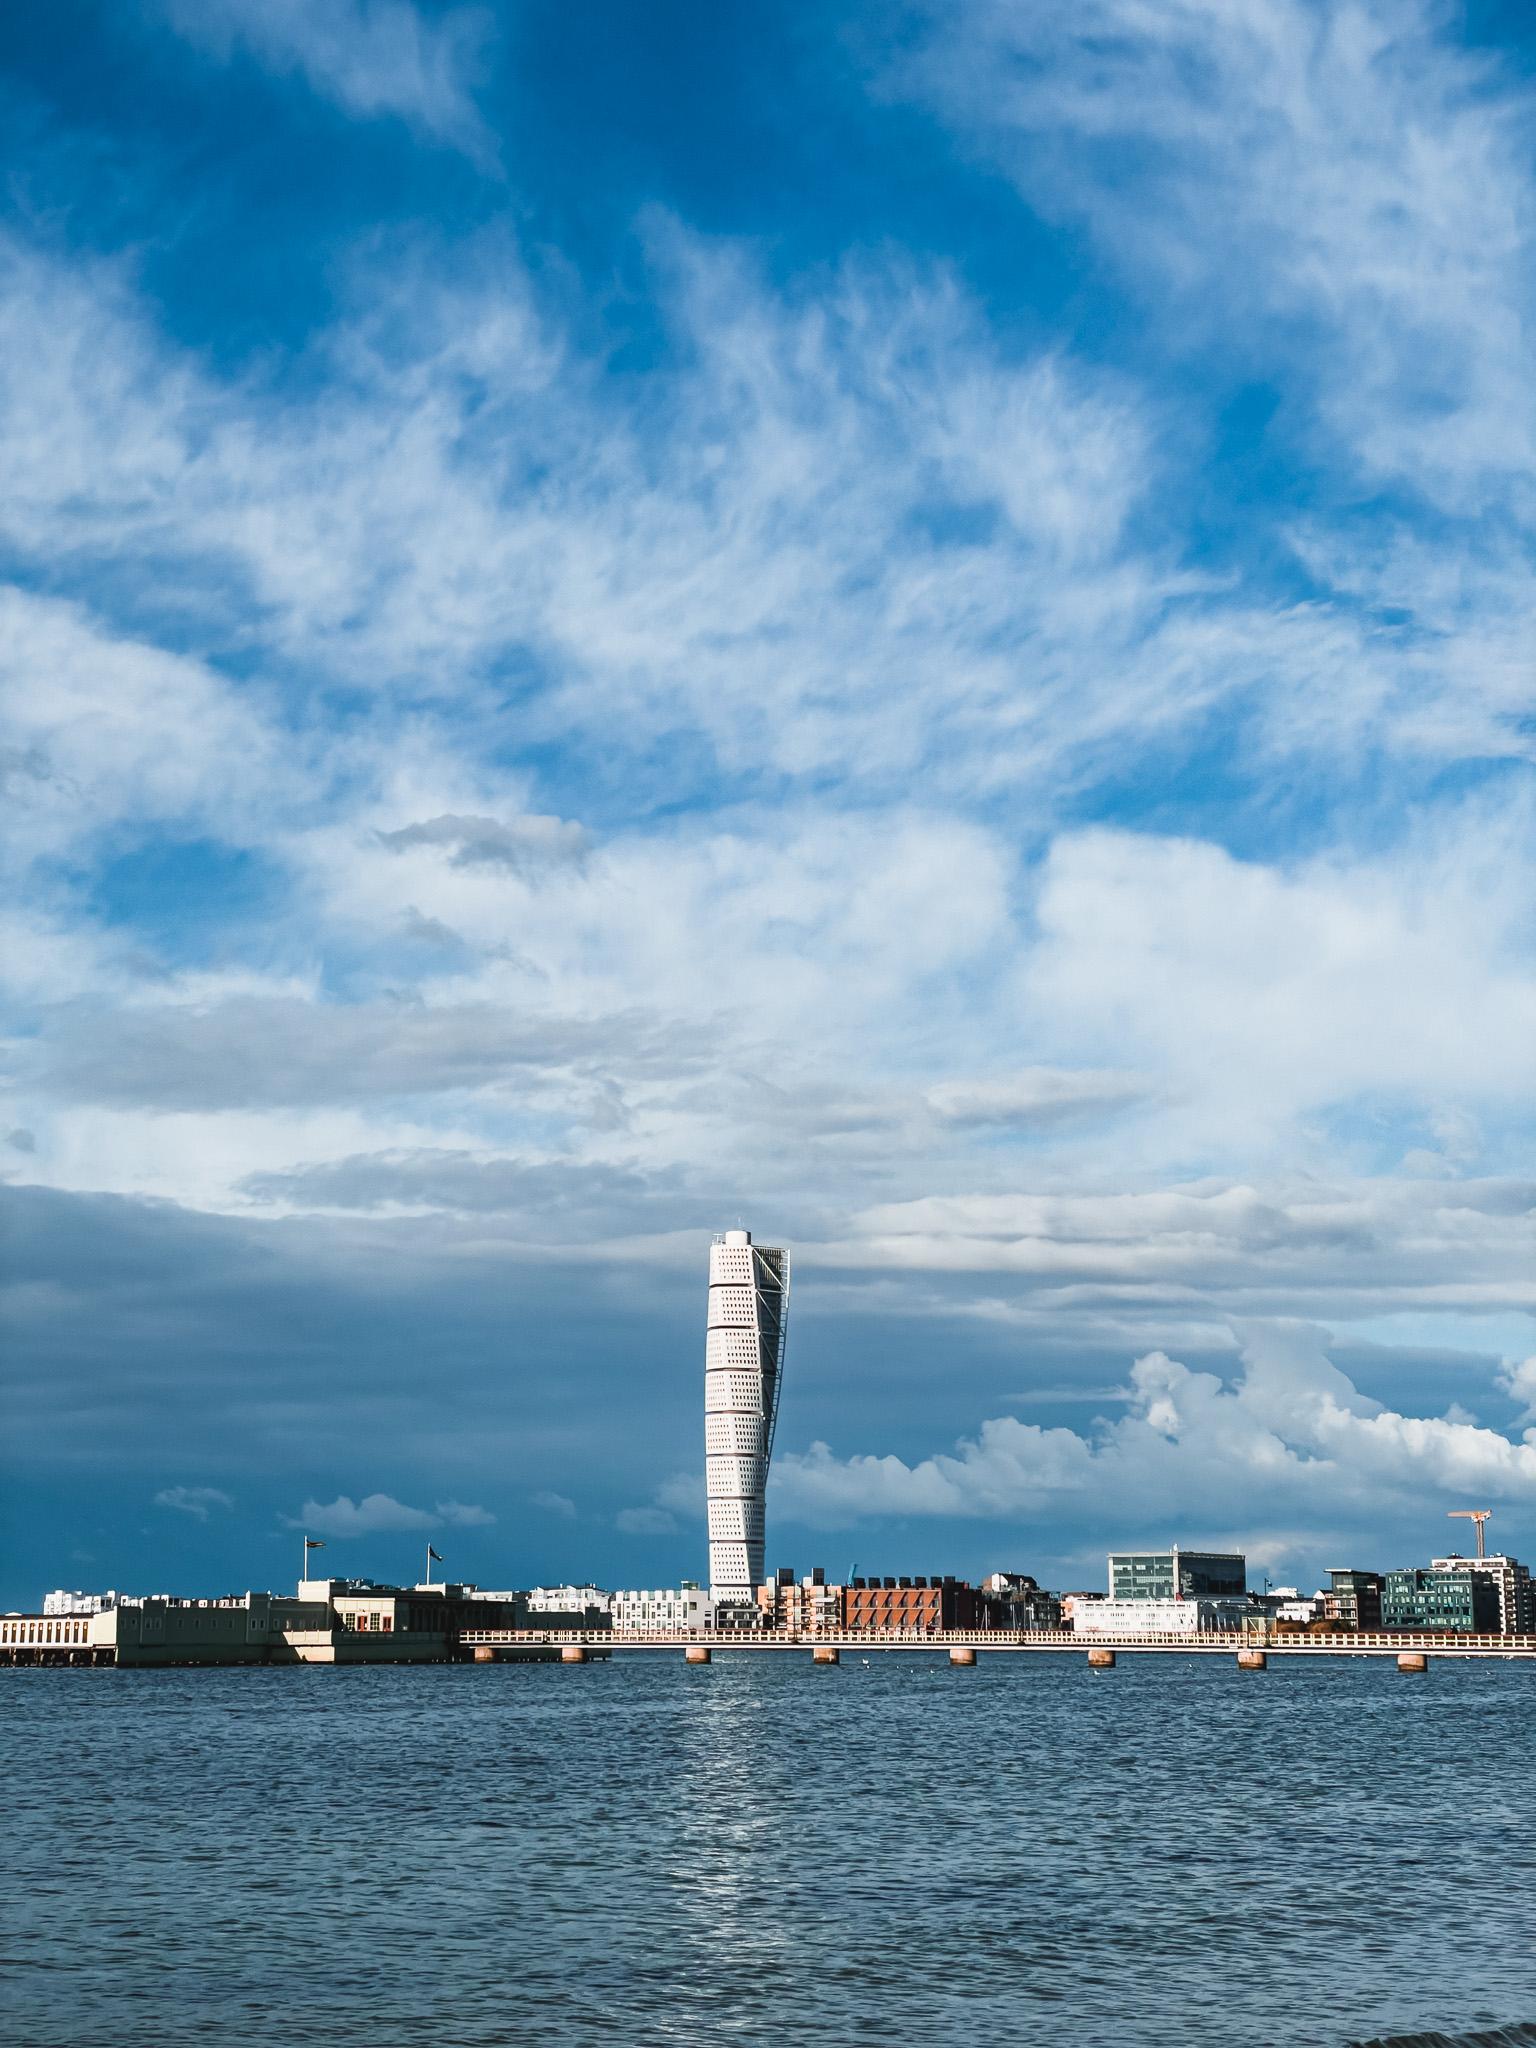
[760, 1851]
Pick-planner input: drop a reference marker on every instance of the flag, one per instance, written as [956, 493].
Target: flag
[312, 1543]
[433, 1553]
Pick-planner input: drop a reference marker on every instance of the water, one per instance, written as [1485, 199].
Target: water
[759, 1851]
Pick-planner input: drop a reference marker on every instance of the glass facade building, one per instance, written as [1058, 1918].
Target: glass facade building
[1453, 1600]
[1177, 1575]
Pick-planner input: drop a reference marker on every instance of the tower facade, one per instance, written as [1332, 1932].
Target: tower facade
[743, 1370]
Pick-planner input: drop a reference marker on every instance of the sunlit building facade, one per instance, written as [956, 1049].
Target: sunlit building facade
[743, 1372]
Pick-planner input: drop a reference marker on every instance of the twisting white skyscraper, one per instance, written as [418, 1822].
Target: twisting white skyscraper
[743, 1370]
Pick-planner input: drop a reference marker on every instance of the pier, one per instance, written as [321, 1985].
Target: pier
[1254, 1650]
[231, 1633]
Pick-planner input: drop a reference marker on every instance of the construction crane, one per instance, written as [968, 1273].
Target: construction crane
[1478, 1515]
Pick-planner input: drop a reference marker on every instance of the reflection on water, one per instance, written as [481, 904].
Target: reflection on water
[755, 1851]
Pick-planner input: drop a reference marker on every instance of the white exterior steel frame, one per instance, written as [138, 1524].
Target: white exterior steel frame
[743, 1371]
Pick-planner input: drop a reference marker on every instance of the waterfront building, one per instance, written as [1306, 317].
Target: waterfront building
[1298, 1610]
[565, 1599]
[249, 1628]
[584, 1607]
[912, 1603]
[642, 1610]
[743, 1372]
[809, 1606]
[739, 1611]
[332, 1621]
[1015, 1600]
[1141, 1617]
[1177, 1575]
[367, 1607]
[1353, 1597]
[78, 1603]
[50, 1638]
[1517, 1598]
[1459, 1599]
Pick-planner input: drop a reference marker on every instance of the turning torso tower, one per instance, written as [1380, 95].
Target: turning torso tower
[743, 1370]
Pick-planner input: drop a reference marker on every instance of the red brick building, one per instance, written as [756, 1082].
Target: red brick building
[918, 1603]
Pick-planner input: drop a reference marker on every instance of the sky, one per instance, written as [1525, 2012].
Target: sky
[905, 627]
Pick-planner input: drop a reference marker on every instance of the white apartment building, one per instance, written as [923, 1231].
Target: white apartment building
[1297, 1609]
[78, 1603]
[743, 1370]
[1157, 1617]
[1517, 1597]
[642, 1610]
[566, 1599]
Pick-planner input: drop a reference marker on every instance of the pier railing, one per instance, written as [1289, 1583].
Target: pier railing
[1277, 1642]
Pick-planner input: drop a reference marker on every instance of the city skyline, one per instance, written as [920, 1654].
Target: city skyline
[624, 620]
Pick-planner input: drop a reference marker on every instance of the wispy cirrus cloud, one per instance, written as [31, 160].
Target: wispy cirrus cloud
[193, 1500]
[1374, 217]
[370, 57]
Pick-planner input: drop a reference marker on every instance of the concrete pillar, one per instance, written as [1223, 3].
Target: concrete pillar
[1101, 1660]
[824, 1655]
[574, 1653]
[484, 1654]
[962, 1653]
[696, 1653]
[1252, 1660]
[1412, 1660]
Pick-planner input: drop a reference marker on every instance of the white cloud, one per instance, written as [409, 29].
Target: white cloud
[1036, 1097]
[1291, 1442]
[1518, 1379]
[644, 1522]
[457, 1516]
[520, 845]
[370, 57]
[1343, 1249]
[1373, 212]
[854, 550]
[118, 732]
[376, 1513]
[555, 1504]
[193, 1500]
[1271, 992]
[683, 1493]
[761, 558]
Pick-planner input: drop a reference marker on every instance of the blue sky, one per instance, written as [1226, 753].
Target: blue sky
[909, 627]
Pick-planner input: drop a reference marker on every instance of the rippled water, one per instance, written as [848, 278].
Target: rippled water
[762, 1851]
